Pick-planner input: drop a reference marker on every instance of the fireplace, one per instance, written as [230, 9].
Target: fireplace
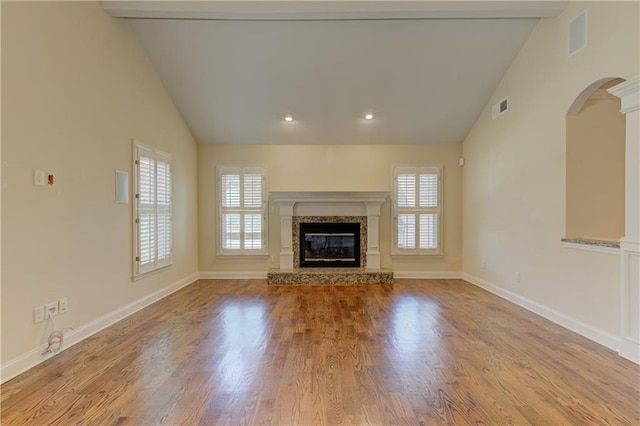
[298, 207]
[329, 245]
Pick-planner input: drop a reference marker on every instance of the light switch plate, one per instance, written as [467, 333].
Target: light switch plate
[38, 177]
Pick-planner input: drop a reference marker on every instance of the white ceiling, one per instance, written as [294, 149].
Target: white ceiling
[234, 69]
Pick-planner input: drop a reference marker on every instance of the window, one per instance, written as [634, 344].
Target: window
[242, 210]
[152, 209]
[417, 210]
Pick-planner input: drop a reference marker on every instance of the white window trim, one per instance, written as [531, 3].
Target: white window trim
[395, 251]
[241, 252]
[157, 265]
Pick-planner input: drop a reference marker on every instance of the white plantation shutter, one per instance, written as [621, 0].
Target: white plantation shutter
[230, 190]
[406, 186]
[406, 231]
[428, 231]
[428, 189]
[417, 210]
[152, 210]
[163, 208]
[242, 210]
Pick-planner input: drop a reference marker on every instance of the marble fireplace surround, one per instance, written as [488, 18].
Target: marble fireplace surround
[322, 206]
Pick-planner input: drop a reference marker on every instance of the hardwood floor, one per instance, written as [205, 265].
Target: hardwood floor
[417, 352]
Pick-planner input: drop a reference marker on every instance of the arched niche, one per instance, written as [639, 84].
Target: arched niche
[595, 168]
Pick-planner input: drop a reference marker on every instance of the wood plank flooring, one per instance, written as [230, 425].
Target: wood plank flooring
[417, 352]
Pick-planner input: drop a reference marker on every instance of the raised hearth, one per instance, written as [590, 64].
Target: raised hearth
[329, 276]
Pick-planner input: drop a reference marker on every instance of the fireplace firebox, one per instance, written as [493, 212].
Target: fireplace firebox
[329, 245]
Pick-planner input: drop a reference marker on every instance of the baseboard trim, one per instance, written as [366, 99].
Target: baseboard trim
[426, 275]
[602, 337]
[24, 362]
[630, 350]
[249, 275]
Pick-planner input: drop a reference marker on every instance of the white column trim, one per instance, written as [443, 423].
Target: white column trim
[373, 235]
[629, 94]
[286, 236]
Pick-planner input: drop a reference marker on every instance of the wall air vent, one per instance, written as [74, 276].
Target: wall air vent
[578, 33]
[500, 108]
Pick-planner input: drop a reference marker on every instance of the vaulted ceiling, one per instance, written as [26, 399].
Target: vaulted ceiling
[425, 70]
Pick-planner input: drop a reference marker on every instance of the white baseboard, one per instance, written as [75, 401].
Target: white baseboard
[630, 350]
[248, 275]
[599, 336]
[34, 357]
[426, 275]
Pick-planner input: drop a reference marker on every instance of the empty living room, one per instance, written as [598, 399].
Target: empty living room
[320, 212]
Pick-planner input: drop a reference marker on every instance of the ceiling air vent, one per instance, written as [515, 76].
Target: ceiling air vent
[500, 108]
[578, 33]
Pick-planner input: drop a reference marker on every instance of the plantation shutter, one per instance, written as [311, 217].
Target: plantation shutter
[242, 210]
[152, 213]
[163, 209]
[230, 188]
[417, 209]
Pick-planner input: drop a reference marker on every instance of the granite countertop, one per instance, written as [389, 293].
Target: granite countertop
[590, 242]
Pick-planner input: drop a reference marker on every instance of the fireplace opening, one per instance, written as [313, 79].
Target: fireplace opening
[329, 245]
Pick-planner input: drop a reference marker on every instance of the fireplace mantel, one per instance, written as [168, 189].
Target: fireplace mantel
[329, 203]
[328, 196]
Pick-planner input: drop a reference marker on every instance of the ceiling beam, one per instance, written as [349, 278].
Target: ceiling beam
[332, 10]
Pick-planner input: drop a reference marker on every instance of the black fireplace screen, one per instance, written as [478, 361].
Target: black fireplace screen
[329, 245]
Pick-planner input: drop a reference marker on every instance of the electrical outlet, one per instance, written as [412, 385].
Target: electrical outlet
[38, 177]
[63, 306]
[38, 314]
[52, 309]
[517, 277]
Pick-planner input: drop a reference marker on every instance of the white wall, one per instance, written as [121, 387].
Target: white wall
[331, 168]
[76, 88]
[514, 179]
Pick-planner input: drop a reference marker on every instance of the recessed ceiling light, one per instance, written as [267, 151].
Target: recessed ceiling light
[288, 117]
[369, 116]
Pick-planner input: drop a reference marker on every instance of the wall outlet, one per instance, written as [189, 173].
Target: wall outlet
[517, 277]
[38, 177]
[38, 314]
[52, 309]
[63, 305]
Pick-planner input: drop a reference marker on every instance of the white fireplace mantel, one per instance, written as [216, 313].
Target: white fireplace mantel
[329, 203]
[328, 196]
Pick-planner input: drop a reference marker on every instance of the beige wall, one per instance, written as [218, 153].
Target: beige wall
[514, 179]
[595, 170]
[76, 88]
[330, 168]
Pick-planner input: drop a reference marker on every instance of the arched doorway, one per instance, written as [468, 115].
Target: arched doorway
[595, 165]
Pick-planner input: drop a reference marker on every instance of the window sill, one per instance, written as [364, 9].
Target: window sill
[401, 255]
[600, 246]
[242, 256]
[149, 273]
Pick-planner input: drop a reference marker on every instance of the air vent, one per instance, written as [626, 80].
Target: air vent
[578, 33]
[500, 108]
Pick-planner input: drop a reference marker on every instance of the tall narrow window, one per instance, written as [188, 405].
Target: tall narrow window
[242, 210]
[417, 210]
[152, 209]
